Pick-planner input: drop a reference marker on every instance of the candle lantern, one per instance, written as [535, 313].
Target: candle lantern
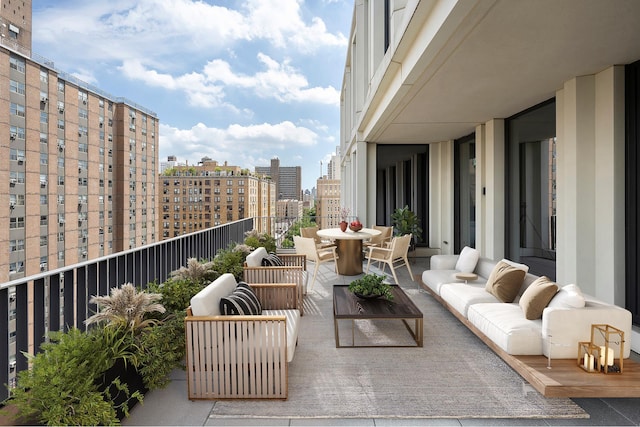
[610, 342]
[589, 356]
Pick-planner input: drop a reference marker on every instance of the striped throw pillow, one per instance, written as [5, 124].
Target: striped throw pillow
[243, 301]
[272, 260]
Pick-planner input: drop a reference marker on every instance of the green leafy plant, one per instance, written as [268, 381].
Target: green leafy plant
[162, 349]
[177, 293]
[371, 285]
[255, 239]
[231, 261]
[63, 385]
[405, 221]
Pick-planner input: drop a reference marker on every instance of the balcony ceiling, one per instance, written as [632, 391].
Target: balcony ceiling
[494, 59]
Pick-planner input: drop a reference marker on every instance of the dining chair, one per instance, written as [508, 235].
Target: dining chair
[394, 255]
[313, 233]
[307, 246]
[380, 240]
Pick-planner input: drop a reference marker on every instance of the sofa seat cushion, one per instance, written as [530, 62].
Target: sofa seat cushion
[207, 301]
[462, 295]
[254, 259]
[293, 325]
[506, 326]
[434, 279]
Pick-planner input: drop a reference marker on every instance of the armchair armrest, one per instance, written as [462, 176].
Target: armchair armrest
[277, 296]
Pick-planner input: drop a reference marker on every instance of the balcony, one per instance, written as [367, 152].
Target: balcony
[170, 406]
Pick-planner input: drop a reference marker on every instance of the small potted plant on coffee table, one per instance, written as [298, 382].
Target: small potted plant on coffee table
[371, 286]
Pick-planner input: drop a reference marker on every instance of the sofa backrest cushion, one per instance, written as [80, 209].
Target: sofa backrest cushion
[207, 301]
[254, 259]
[243, 301]
[505, 281]
[536, 297]
[467, 260]
[569, 296]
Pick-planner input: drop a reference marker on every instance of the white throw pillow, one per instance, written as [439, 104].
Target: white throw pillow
[569, 296]
[467, 260]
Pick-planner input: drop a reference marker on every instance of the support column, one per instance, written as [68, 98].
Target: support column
[441, 191]
[576, 184]
[494, 189]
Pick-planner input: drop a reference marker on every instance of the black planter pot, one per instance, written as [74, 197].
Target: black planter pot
[130, 376]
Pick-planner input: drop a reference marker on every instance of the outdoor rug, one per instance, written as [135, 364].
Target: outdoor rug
[454, 375]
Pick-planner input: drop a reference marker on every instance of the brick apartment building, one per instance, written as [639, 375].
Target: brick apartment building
[77, 166]
[196, 197]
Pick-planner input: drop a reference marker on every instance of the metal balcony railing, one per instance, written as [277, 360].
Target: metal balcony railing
[57, 300]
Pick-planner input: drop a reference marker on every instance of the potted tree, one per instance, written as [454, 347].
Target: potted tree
[405, 221]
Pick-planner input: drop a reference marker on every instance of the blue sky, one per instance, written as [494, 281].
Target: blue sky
[237, 81]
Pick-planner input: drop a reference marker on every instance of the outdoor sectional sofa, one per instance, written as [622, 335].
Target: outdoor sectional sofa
[243, 354]
[564, 322]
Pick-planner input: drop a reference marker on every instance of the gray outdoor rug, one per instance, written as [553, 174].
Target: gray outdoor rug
[453, 376]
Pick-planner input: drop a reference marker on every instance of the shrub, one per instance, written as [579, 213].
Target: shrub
[254, 239]
[62, 386]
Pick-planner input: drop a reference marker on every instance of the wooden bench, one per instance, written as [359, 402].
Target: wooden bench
[241, 356]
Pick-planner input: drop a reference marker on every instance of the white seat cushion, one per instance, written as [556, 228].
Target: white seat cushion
[506, 326]
[293, 324]
[462, 295]
[207, 301]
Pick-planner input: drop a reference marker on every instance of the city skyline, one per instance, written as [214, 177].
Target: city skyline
[263, 82]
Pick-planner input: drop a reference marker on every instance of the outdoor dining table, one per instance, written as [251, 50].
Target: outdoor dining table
[349, 247]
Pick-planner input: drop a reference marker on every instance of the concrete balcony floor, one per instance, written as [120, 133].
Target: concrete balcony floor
[170, 406]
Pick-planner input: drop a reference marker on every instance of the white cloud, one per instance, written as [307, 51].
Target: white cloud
[239, 145]
[157, 29]
[206, 88]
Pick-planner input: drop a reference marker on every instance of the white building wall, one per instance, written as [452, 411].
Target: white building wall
[494, 195]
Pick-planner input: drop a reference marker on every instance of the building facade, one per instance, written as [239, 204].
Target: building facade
[517, 139]
[328, 202]
[197, 197]
[288, 179]
[78, 166]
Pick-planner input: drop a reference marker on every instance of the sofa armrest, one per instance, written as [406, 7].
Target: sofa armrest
[277, 296]
[279, 274]
[563, 328]
[443, 262]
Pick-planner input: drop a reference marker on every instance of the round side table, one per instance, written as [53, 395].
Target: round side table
[466, 276]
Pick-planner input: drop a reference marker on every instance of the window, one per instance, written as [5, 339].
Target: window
[44, 158]
[61, 87]
[16, 222]
[17, 110]
[44, 117]
[44, 76]
[44, 138]
[44, 219]
[16, 245]
[17, 87]
[16, 132]
[60, 124]
[43, 240]
[17, 64]
[82, 113]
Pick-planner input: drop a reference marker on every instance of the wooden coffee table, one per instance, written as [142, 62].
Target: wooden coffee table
[348, 306]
